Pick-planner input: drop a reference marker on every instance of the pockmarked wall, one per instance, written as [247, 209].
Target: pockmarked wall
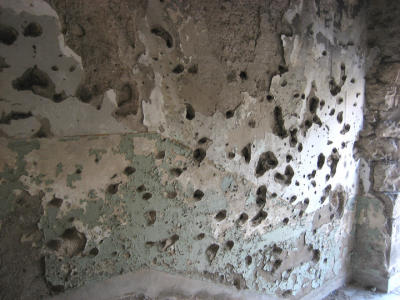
[210, 139]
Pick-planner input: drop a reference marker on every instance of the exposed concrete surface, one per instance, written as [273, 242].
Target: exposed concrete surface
[210, 139]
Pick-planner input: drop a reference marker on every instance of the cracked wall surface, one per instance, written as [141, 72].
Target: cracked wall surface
[211, 139]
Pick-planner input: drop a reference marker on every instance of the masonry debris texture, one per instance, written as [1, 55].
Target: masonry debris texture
[249, 149]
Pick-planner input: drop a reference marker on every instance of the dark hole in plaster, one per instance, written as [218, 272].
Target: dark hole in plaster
[352, 80]
[54, 245]
[243, 75]
[346, 128]
[249, 260]
[340, 100]
[334, 87]
[112, 188]
[246, 153]
[285, 220]
[141, 188]
[324, 53]
[193, 69]
[221, 215]
[293, 137]
[56, 202]
[321, 161]
[178, 69]
[229, 114]
[259, 217]
[316, 255]
[151, 217]
[289, 158]
[129, 170]
[171, 194]
[199, 154]
[54, 68]
[94, 251]
[8, 34]
[279, 127]
[200, 236]
[58, 97]
[33, 29]
[270, 98]
[267, 161]
[84, 94]
[14, 115]
[332, 112]
[307, 123]
[277, 264]
[243, 218]
[165, 244]
[146, 196]
[124, 94]
[236, 283]
[229, 245]
[35, 80]
[198, 195]
[165, 35]
[283, 83]
[339, 117]
[300, 147]
[160, 154]
[313, 105]
[287, 293]
[231, 155]
[317, 120]
[76, 239]
[190, 113]
[283, 69]
[211, 252]
[252, 123]
[276, 249]
[176, 172]
[203, 140]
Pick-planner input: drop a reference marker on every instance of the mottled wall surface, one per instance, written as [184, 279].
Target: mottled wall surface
[376, 262]
[212, 139]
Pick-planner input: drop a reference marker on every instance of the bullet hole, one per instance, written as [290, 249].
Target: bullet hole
[283, 83]
[56, 202]
[198, 195]
[246, 153]
[324, 53]
[307, 123]
[316, 255]
[279, 127]
[322, 104]
[261, 195]
[229, 245]
[285, 179]
[231, 155]
[162, 33]
[313, 183]
[94, 252]
[84, 94]
[345, 129]
[293, 137]
[190, 113]
[249, 260]
[35, 80]
[74, 242]
[276, 249]
[287, 293]
[300, 147]
[171, 194]
[270, 98]
[243, 75]
[13, 115]
[229, 114]
[151, 217]
[352, 80]
[277, 264]
[54, 68]
[285, 221]
[112, 188]
[259, 217]
[243, 218]
[332, 112]
[165, 244]
[313, 105]
[317, 121]
[176, 172]
[33, 29]
[54, 245]
[321, 161]
[200, 236]
[72, 68]
[293, 198]
[146, 196]
[289, 158]
[8, 35]
[267, 161]
[236, 283]
[178, 69]
[333, 161]
[211, 252]
[199, 154]
[203, 140]
[160, 154]
[340, 100]
[141, 189]
[193, 69]
[334, 87]
[252, 123]
[339, 117]
[220, 215]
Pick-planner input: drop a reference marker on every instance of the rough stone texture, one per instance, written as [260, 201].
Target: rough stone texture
[375, 262]
[211, 139]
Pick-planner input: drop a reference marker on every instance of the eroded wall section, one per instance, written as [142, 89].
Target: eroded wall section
[208, 138]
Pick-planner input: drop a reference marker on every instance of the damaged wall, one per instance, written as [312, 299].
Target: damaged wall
[211, 139]
[376, 262]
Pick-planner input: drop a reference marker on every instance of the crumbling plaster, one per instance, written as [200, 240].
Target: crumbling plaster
[206, 138]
